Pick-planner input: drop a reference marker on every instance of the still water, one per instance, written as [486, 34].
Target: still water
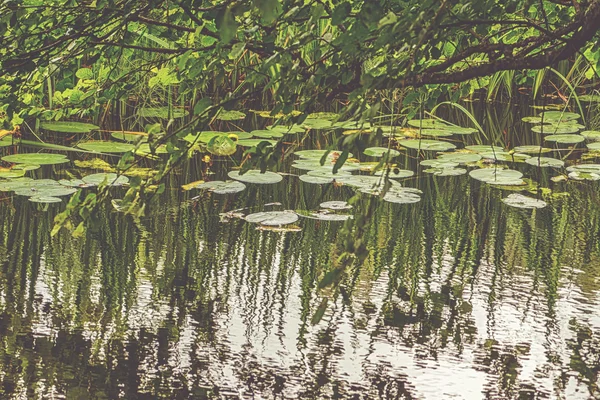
[460, 296]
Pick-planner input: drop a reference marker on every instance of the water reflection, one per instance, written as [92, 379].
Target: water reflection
[460, 296]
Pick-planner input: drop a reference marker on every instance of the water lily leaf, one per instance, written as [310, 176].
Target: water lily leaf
[380, 152]
[230, 115]
[272, 218]
[558, 116]
[531, 149]
[6, 141]
[532, 120]
[460, 158]
[361, 181]
[402, 195]
[396, 131]
[130, 136]
[593, 146]
[311, 123]
[267, 114]
[267, 134]
[96, 163]
[101, 146]
[255, 176]
[207, 136]
[318, 154]
[329, 116]
[26, 167]
[221, 146]
[323, 215]
[68, 127]
[439, 163]
[395, 173]
[109, 179]
[497, 176]
[590, 98]
[457, 130]
[36, 158]
[429, 123]
[478, 148]
[555, 129]
[427, 144]
[505, 156]
[45, 190]
[327, 172]
[335, 205]
[434, 132]
[45, 199]
[8, 173]
[254, 142]
[584, 176]
[545, 162]
[161, 112]
[520, 201]
[565, 139]
[74, 183]
[145, 149]
[446, 171]
[591, 135]
[316, 180]
[591, 168]
[222, 187]
[286, 129]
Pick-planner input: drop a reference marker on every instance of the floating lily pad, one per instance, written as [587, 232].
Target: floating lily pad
[545, 162]
[428, 123]
[6, 141]
[161, 112]
[315, 123]
[479, 148]
[45, 199]
[286, 129]
[592, 168]
[497, 176]
[26, 167]
[505, 156]
[272, 218]
[329, 116]
[267, 134]
[584, 176]
[36, 158]
[56, 190]
[129, 137]
[254, 142]
[439, 163]
[145, 149]
[402, 195]
[110, 179]
[230, 115]
[222, 187]
[532, 120]
[101, 146]
[519, 201]
[318, 154]
[446, 171]
[565, 139]
[427, 144]
[75, 183]
[323, 215]
[362, 181]
[68, 127]
[336, 205]
[593, 146]
[327, 172]
[591, 135]
[531, 149]
[457, 130]
[435, 132]
[6, 173]
[395, 173]
[221, 145]
[255, 176]
[558, 116]
[556, 129]
[380, 152]
[207, 136]
[461, 158]
[316, 180]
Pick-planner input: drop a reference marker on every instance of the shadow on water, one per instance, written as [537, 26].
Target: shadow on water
[460, 297]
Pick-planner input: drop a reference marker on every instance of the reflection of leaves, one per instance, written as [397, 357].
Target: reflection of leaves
[318, 315]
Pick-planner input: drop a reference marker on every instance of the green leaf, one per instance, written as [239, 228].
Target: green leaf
[84, 73]
[269, 10]
[227, 25]
[202, 105]
[221, 145]
[340, 12]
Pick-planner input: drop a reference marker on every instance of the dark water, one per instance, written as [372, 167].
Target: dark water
[460, 296]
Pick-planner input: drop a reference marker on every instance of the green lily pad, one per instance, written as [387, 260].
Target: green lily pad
[26, 167]
[11, 173]
[531, 149]
[427, 144]
[111, 179]
[461, 158]
[286, 129]
[590, 98]
[556, 129]
[267, 134]
[402, 195]
[480, 148]
[545, 162]
[428, 123]
[361, 181]
[380, 152]
[101, 146]
[446, 171]
[254, 142]
[532, 120]
[519, 201]
[435, 132]
[221, 145]
[75, 183]
[316, 180]
[161, 112]
[505, 156]
[56, 190]
[584, 176]
[222, 187]
[558, 116]
[593, 146]
[68, 127]
[45, 199]
[255, 176]
[327, 172]
[272, 218]
[336, 205]
[316, 123]
[395, 173]
[457, 130]
[591, 135]
[565, 139]
[318, 154]
[439, 163]
[591, 168]
[36, 158]
[323, 215]
[497, 176]
[207, 136]
[145, 149]
[6, 141]
[129, 137]
[329, 116]
[230, 115]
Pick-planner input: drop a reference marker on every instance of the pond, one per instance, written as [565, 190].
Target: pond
[459, 295]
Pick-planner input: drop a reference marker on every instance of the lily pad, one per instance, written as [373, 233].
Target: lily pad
[129, 137]
[161, 112]
[315, 179]
[428, 123]
[402, 195]
[221, 145]
[255, 176]
[439, 163]
[55, 190]
[497, 176]
[531, 149]
[427, 144]
[591, 135]
[565, 139]
[329, 116]
[45, 199]
[225, 115]
[272, 218]
[545, 162]
[315, 123]
[267, 134]
[558, 116]
[532, 120]
[6, 173]
[584, 176]
[446, 171]
[555, 129]
[590, 98]
[381, 151]
[435, 132]
[479, 148]
[222, 187]
[101, 146]
[323, 215]
[207, 136]
[111, 179]
[505, 156]
[254, 142]
[286, 129]
[336, 205]
[6, 141]
[318, 154]
[395, 173]
[36, 158]
[461, 158]
[68, 127]
[593, 146]
[520, 201]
